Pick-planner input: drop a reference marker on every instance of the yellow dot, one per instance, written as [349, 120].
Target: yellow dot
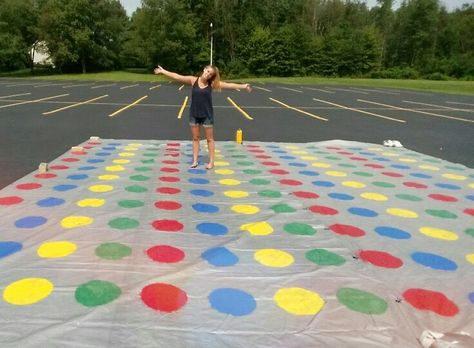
[390, 154]
[221, 164]
[121, 161]
[76, 221]
[298, 301]
[117, 168]
[217, 151]
[224, 171]
[470, 258]
[27, 291]
[219, 156]
[471, 185]
[336, 173]
[53, 250]
[408, 160]
[402, 213]
[274, 258]
[101, 188]
[126, 154]
[109, 177]
[373, 196]
[378, 149]
[260, 228]
[300, 152]
[353, 184]
[428, 167]
[438, 233]
[309, 158]
[245, 209]
[320, 165]
[292, 147]
[91, 202]
[229, 182]
[130, 149]
[135, 144]
[454, 176]
[236, 194]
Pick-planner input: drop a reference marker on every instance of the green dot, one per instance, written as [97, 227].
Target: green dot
[148, 161]
[150, 154]
[333, 158]
[259, 182]
[408, 197]
[383, 184]
[347, 165]
[123, 223]
[470, 232]
[139, 178]
[432, 160]
[460, 169]
[143, 169]
[245, 163]
[96, 293]
[363, 174]
[441, 213]
[270, 194]
[229, 146]
[324, 258]
[412, 154]
[131, 203]
[299, 229]
[252, 171]
[153, 149]
[283, 208]
[136, 189]
[361, 301]
[113, 251]
[239, 156]
[321, 152]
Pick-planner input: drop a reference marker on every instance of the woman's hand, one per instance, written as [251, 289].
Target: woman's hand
[158, 70]
[248, 87]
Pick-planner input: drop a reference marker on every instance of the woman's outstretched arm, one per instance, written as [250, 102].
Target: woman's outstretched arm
[181, 78]
[231, 85]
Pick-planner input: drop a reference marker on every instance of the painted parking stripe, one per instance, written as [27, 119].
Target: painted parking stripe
[298, 110]
[181, 110]
[180, 88]
[107, 85]
[51, 84]
[361, 111]
[261, 88]
[319, 90]
[154, 87]
[457, 103]
[128, 106]
[14, 95]
[437, 106]
[246, 115]
[33, 101]
[346, 90]
[290, 89]
[129, 86]
[74, 105]
[374, 90]
[417, 111]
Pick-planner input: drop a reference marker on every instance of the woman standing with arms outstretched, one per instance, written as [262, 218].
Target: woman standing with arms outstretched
[201, 112]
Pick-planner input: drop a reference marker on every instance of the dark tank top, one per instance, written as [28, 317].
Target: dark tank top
[201, 101]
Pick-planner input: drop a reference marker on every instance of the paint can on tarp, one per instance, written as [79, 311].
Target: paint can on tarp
[239, 136]
[43, 168]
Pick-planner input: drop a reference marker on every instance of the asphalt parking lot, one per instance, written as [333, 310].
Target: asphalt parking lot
[40, 120]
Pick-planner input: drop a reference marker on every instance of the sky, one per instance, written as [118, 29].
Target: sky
[131, 5]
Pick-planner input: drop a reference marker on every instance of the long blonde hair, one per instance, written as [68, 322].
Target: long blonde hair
[215, 80]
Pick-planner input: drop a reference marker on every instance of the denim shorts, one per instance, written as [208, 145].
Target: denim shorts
[206, 122]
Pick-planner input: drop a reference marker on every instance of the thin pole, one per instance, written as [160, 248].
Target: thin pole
[211, 42]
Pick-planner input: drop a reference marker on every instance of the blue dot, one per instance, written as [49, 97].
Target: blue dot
[62, 188]
[232, 301]
[287, 157]
[309, 173]
[323, 183]
[279, 151]
[367, 153]
[30, 222]
[103, 154]
[95, 160]
[50, 202]
[198, 181]
[471, 297]
[109, 148]
[197, 171]
[362, 212]
[87, 168]
[392, 232]
[202, 193]
[297, 164]
[8, 248]
[421, 175]
[355, 148]
[341, 196]
[205, 208]
[212, 229]
[470, 197]
[400, 166]
[381, 159]
[114, 144]
[220, 257]
[434, 261]
[272, 146]
[78, 177]
[448, 186]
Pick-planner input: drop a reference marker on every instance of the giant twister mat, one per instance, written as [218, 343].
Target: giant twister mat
[331, 244]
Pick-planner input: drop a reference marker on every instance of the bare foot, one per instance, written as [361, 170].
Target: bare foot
[194, 165]
[209, 165]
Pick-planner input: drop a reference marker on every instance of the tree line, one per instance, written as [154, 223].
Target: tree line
[420, 38]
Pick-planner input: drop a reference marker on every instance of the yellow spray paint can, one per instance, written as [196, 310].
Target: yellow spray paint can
[239, 136]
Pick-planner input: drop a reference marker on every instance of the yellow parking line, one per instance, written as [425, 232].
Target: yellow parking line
[362, 111]
[73, 105]
[128, 106]
[181, 110]
[421, 112]
[298, 110]
[14, 95]
[240, 109]
[33, 101]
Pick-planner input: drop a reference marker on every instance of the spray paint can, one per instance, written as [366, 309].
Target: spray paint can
[239, 136]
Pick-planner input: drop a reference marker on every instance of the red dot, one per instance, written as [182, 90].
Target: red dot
[173, 144]
[11, 200]
[431, 300]
[279, 171]
[257, 151]
[344, 153]
[380, 258]
[70, 159]
[169, 170]
[163, 297]
[168, 190]
[469, 211]
[169, 162]
[167, 225]
[95, 143]
[88, 147]
[415, 185]
[167, 205]
[304, 194]
[392, 174]
[169, 179]
[45, 176]
[290, 182]
[253, 146]
[29, 186]
[333, 148]
[270, 163]
[172, 154]
[319, 209]
[172, 149]
[263, 156]
[79, 153]
[347, 230]
[375, 166]
[59, 167]
[165, 253]
[358, 158]
[443, 198]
